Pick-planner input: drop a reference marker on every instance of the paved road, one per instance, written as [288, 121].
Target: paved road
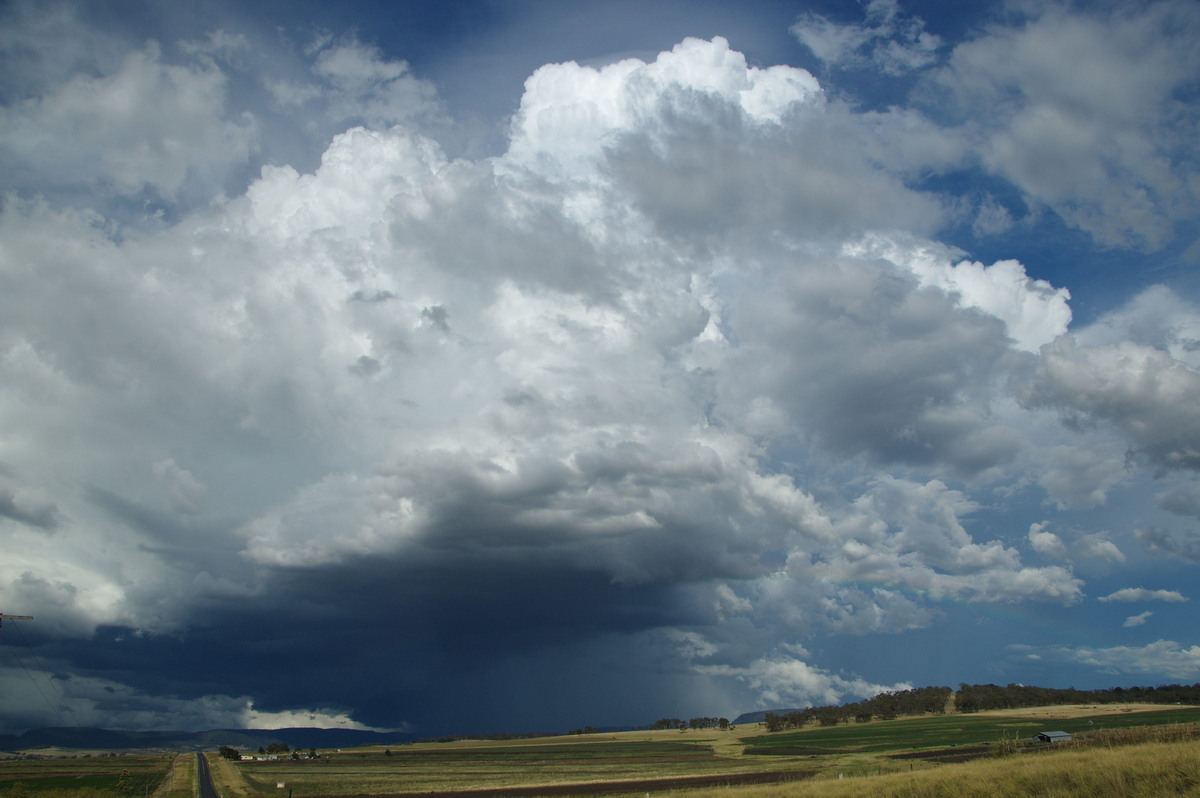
[204, 778]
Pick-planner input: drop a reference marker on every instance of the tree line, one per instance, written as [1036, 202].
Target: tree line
[694, 723]
[975, 698]
[228, 752]
[978, 697]
[884, 706]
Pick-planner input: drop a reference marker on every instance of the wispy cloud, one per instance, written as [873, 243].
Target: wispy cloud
[1132, 594]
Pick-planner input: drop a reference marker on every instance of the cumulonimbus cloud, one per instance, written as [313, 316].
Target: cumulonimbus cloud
[686, 354]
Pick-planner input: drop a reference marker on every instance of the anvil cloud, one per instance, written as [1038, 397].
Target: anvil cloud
[723, 375]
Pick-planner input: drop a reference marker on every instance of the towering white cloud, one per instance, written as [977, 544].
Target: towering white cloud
[687, 354]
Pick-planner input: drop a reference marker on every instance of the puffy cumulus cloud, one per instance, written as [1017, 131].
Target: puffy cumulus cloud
[1125, 385]
[1081, 476]
[679, 374]
[570, 112]
[1033, 311]
[1181, 543]
[1162, 656]
[1132, 594]
[888, 370]
[147, 125]
[1082, 112]
[1181, 499]
[910, 534]
[1078, 545]
[796, 602]
[787, 680]
[169, 124]
[1143, 392]
[709, 149]
[354, 83]
[1098, 546]
[1046, 542]
[1157, 318]
[251, 718]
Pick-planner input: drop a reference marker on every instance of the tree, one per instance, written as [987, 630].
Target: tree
[230, 753]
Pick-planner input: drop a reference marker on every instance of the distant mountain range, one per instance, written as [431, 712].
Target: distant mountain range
[242, 739]
[88, 739]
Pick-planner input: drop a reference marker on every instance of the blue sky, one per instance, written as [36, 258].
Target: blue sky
[523, 366]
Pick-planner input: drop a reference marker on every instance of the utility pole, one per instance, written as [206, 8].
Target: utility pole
[14, 618]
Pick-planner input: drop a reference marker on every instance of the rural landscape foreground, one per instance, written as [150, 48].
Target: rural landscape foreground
[1115, 750]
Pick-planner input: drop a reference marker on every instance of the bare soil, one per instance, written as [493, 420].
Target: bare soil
[962, 753]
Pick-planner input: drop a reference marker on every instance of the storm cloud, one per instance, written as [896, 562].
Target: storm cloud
[308, 412]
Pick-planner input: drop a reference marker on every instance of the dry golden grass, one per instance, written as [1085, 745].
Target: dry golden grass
[1148, 770]
[1069, 711]
[228, 780]
[508, 764]
[180, 781]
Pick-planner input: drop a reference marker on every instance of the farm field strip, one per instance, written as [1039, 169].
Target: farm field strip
[466, 768]
[581, 764]
[952, 730]
[616, 763]
[133, 775]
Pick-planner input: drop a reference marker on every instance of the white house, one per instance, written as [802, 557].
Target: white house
[1052, 737]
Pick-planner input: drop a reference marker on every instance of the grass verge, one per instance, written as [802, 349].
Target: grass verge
[180, 781]
[1146, 770]
[230, 782]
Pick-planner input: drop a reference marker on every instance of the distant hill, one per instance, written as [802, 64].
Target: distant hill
[761, 715]
[241, 739]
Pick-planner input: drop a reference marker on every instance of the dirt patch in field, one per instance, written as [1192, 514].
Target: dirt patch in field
[961, 753]
[793, 750]
[610, 787]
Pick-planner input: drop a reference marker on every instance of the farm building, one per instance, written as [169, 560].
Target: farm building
[1052, 737]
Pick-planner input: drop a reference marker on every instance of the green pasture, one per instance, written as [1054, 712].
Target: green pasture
[944, 731]
[610, 751]
[430, 768]
[103, 776]
[856, 748]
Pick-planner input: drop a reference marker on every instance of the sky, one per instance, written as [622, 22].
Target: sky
[518, 366]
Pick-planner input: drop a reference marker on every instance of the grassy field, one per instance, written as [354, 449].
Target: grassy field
[101, 776]
[911, 734]
[1138, 771]
[640, 762]
[1118, 751]
[442, 767]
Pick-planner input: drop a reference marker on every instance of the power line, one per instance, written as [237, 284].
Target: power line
[25, 668]
[46, 672]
